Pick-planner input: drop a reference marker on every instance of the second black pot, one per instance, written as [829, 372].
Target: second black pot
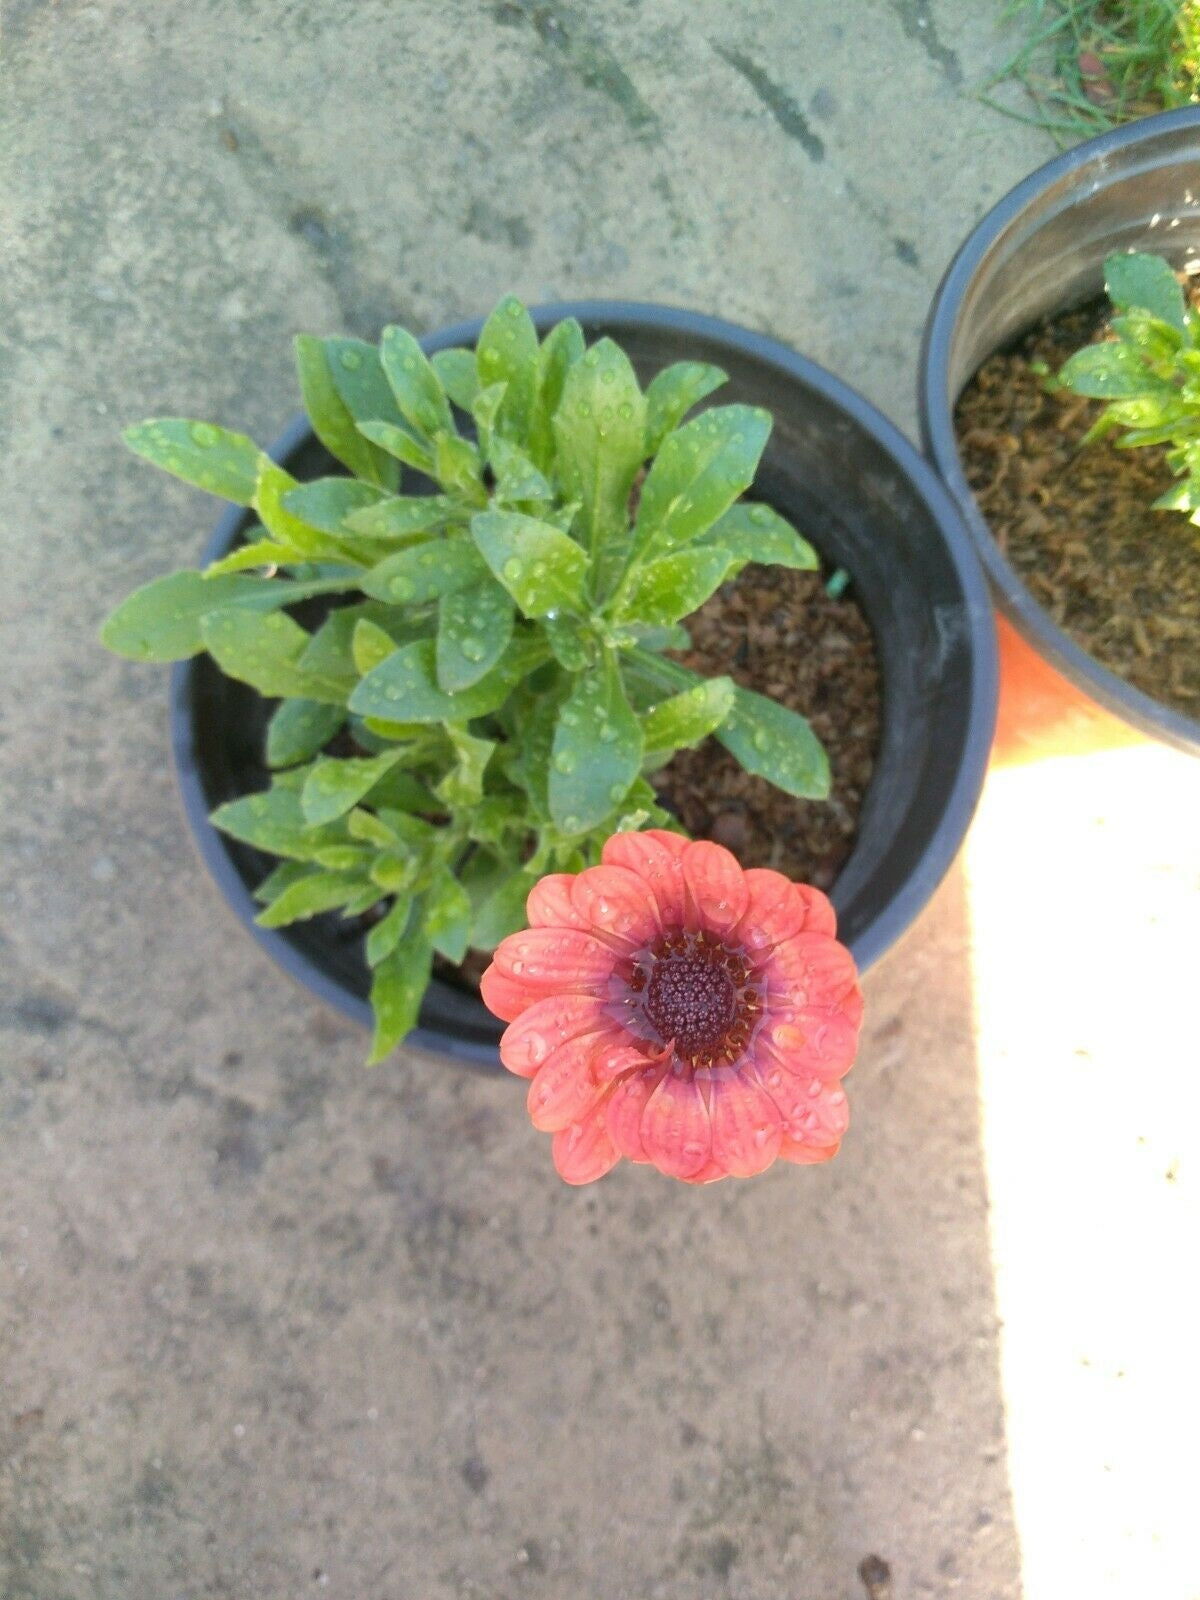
[851, 483]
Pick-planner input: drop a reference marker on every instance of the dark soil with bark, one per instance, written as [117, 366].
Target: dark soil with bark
[781, 633]
[1122, 580]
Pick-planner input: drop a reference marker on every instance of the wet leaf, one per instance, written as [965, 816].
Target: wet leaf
[456, 373]
[562, 347]
[334, 787]
[1146, 282]
[397, 989]
[161, 620]
[273, 821]
[697, 475]
[318, 892]
[415, 383]
[507, 352]
[265, 652]
[684, 719]
[426, 571]
[333, 421]
[209, 457]
[600, 430]
[673, 393]
[757, 533]
[298, 729]
[325, 503]
[404, 688]
[387, 934]
[541, 567]
[597, 751]
[400, 443]
[474, 629]
[777, 744]
[1112, 371]
[661, 592]
[403, 517]
[446, 915]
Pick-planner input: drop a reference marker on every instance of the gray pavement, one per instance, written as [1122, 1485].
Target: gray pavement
[272, 1325]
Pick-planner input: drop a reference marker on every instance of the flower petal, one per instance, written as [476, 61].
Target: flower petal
[716, 886]
[711, 1172]
[616, 900]
[505, 997]
[819, 1040]
[814, 1111]
[779, 909]
[556, 959]
[546, 1024]
[655, 857]
[565, 1088]
[806, 1155]
[746, 1125]
[676, 1131]
[584, 1152]
[549, 903]
[809, 969]
[624, 1108]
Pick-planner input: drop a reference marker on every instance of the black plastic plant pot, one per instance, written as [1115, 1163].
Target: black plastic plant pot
[862, 494]
[1040, 251]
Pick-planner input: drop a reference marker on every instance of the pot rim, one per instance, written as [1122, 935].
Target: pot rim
[1013, 599]
[612, 315]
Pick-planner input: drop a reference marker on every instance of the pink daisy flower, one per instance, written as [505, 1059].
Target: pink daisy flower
[673, 1008]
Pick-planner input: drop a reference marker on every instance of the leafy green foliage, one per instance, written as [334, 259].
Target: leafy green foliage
[480, 691]
[1149, 373]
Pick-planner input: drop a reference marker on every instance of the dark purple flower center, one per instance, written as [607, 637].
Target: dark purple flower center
[697, 992]
[692, 1001]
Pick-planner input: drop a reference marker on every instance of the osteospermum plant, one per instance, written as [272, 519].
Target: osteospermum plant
[1148, 372]
[515, 542]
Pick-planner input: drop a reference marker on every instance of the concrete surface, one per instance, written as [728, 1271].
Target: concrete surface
[273, 1326]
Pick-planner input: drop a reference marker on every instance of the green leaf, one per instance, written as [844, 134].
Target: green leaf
[299, 728]
[273, 821]
[457, 375]
[485, 410]
[211, 458]
[426, 571]
[446, 915]
[1155, 341]
[457, 467]
[330, 653]
[572, 641]
[684, 719]
[370, 644]
[403, 517]
[332, 419]
[697, 475]
[600, 430]
[542, 568]
[517, 479]
[387, 934]
[672, 395]
[273, 485]
[1112, 371]
[358, 375]
[398, 442]
[415, 383]
[371, 829]
[463, 784]
[334, 787]
[404, 687]
[474, 628]
[325, 503]
[265, 652]
[597, 751]
[562, 347]
[756, 533]
[280, 878]
[502, 911]
[507, 352]
[319, 891]
[397, 989]
[263, 553]
[660, 592]
[161, 620]
[776, 744]
[1145, 282]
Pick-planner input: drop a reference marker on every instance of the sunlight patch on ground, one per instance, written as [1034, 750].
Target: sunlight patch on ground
[1083, 879]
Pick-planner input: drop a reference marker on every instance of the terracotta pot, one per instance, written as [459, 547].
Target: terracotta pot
[1039, 251]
